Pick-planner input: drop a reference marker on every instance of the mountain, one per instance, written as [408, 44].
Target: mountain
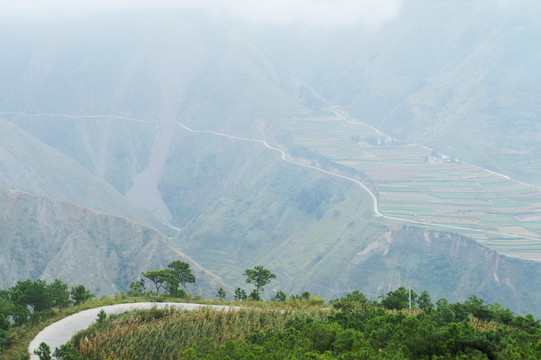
[259, 147]
[458, 76]
[50, 239]
[204, 74]
[450, 265]
[29, 165]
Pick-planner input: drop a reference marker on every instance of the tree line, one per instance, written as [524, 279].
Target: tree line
[28, 302]
[351, 327]
[178, 273]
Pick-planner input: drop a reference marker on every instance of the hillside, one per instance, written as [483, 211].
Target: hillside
[308, 226]
[29, 165]
[49, 239]
[458, 76]
[251, 143]
[352, 328]
[451, 266]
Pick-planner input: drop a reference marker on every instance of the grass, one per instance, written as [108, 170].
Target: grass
[19, 338]
[166, 334]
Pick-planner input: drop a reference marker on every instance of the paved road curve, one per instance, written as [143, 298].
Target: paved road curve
[63, 330]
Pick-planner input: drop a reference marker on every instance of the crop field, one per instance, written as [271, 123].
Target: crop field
[417, 185]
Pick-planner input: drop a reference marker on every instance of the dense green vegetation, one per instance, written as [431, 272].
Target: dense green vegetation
[159, 334]
[28, 306]
[400, 325]
[178, 273]
[29, 303]
[16, 338]
[352, 328]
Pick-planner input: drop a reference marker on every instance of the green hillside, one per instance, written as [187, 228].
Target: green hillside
[353, 328]
[317, 232]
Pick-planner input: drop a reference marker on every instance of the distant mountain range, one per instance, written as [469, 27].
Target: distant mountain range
[458, 76]
[126, 127]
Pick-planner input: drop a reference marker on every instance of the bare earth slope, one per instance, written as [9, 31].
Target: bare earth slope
[48, 239]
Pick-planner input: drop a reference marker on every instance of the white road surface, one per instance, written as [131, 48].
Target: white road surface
[63, 330]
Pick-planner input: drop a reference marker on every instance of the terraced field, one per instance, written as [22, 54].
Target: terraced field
[416, 184]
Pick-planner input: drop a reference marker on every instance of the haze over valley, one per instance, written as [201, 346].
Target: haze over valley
[395, 144]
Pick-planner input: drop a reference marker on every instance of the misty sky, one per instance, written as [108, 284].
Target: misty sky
[318, 13]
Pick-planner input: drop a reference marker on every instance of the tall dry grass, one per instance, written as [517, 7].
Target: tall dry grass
[166, 334]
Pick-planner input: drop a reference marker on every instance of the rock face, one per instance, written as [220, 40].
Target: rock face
[448, 265]
[48, 239]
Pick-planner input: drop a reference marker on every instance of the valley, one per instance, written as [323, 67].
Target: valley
[426, 193]
[419, 186]
[414, 184]
[340, 159]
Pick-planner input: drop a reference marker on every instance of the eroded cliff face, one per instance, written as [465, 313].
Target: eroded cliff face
[31, 166]
[49, 239]
[447, 265]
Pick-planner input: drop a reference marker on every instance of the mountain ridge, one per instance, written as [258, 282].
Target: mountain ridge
[237, 204]
[49, 239]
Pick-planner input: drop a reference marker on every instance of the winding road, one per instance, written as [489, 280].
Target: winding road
[284, 157]
[63, 330]
[377, 213]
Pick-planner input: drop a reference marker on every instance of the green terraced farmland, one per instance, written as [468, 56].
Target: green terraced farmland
[417, 185]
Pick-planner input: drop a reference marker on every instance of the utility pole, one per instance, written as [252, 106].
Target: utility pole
[409, 286]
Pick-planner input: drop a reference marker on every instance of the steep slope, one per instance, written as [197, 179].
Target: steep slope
[182, 67]
[28, 165]
[112, 148]
[49, 239]
[458, 76]
[448, 265]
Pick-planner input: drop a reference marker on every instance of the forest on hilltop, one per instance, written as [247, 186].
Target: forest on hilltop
[351, 328]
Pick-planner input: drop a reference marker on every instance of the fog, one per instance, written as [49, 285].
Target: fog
[314, 13]
[289, 134]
